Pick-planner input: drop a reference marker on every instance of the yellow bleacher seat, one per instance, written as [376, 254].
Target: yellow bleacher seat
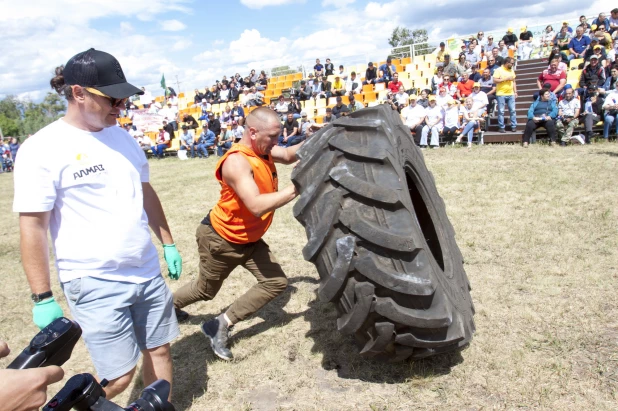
[321, 111]
[574, 64]
[309, 104]
[320, 102]
[380, 86]
[298, 76]
[175, 145]
[382, 95]
[319, 119]
[332, 102]
[410, 67]
[407, 83]
[406, 61]
[367, 88]
[359, 97]
[369, 97]
[181, 95]
[345, 99]
[396, 62]
[287, 84]
[573, 77]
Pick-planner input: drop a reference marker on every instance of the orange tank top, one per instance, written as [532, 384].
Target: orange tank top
[230, 217]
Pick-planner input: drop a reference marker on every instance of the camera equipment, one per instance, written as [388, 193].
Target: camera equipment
[51, 346]
[82, 392]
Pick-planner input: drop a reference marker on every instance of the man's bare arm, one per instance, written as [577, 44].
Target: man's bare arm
[35, 249]
[285, 155]
[237, 173]
[156, 216]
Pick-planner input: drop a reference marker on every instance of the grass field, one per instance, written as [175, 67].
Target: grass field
[538, 231]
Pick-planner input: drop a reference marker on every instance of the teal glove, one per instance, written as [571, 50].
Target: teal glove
[46, 311]
[173, 260]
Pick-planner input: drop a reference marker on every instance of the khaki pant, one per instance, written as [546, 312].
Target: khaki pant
[565, 132]
[218, 258]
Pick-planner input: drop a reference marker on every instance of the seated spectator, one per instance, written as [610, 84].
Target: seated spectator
[386, 71]
[161, 143]
[226, 115]
[613, 21]
[414, 118]
[187, 141]
[434, 121]
[328, 118]
[295, 108]
[253, 76]
[599, 52]
[583, 23]
[262, 83]
[437, 80]
[282, 107]
[464, 88]
[472, 57]
[244, 96]
[395, 84]
[475, 76]
[237, 131]
[205, 142]
[338, 86]
[306, 126]
[554, 76]
[440, 55]
[489, 88]
[318, 69]
[326, 89]
[197, 98]
[568, 114]
[481, 41]
[340, 109]
[547, 39]
[578, 44]
[154, 107]
[565, 25]
[237, 112]
[144, 142]
[169, 128]
[329, 68]
[354, 104]
[601, 21]
[510, 39]
[494, 61]
[443, 98]
[610, 106]
[354, 84]
[234, 91]
[594, 44]
[452, 69]
[593, 113]
[401, 98]
[610, 82]
[146, 98]
[170, 113]
[503, 50]
[342, 74]
[316, 88]
[255, 98]
[592, 75]
[290, 129]
[423, 100]
[604, 38]
[562, 39]
[542, 113]
[556, 52]
[224, 93]
[305, 91]
[525, 44]
[205, 108]
[451, 120]
[471, 119]
[225, 141]
[451, 88]
[480, 101]
[311, 80]
[490, 45]
[462, 66]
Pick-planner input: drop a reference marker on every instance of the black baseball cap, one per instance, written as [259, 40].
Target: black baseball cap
[98, 70]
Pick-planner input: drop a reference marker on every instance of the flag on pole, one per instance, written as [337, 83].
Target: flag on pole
[163, 86]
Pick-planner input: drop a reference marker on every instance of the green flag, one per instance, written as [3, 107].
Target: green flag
[163, 86]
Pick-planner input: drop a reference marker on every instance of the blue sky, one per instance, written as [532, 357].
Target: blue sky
[200, 41]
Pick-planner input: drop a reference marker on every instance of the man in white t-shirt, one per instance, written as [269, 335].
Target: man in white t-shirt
[479, 99]
[434, 121]
[414, 117]
[87, 182]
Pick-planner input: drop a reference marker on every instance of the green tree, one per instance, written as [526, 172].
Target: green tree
[22, 117]
[403, 36]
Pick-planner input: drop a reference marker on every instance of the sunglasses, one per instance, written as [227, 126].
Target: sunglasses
[114, 102]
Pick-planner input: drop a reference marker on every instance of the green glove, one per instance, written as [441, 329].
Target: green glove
[173, 260]
[46, 311]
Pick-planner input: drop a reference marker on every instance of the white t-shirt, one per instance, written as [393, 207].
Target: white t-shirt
[451, 117]
[435, 114]
[92, 184]
[479, 100]
[413, 115]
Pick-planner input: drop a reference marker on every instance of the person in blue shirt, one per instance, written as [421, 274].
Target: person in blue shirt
[318, 69]
[187, 140]
[602, 20]
[206, 141]
[386, 71]
[542, 113]
[578, 44]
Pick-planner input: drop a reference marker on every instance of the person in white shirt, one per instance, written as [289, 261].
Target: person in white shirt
[547, 39]
[568, 114]
[414, 117]
[479, 99]
[443, 98]
[401, 98]
[146, 98]
[471, 120]
[87, 182]
[354, 84]
[451, 120]
[282, 107]
[434, 121]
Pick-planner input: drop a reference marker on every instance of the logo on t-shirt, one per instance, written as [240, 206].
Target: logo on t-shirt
[87, 171]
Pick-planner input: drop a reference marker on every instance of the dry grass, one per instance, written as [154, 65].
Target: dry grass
[537, 228]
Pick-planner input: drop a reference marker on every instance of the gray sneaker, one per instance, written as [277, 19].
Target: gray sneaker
[217, 332]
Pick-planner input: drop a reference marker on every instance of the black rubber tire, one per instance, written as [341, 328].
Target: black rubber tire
[380, 239]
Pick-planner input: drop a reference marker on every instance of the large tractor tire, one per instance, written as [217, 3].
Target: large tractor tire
[380, 239]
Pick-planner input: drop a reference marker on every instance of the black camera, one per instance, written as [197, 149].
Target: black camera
[53, 346]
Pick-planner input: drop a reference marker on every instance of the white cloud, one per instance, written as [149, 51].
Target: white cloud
[173, 25]
[258, 4]
[337, 3]
[182, 45]
[126, 27]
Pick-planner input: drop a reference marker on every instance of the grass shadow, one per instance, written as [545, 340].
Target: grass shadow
[341, 353]
[607, 153]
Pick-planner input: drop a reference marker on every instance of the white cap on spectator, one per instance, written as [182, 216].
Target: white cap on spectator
[204, 100]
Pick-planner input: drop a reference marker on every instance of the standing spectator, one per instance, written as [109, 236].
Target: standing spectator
[610, 106]
[354, 84]
[552, 75]
[434, 121]
[354, 104]
[371, 74]
[470, 120]
[14, 147]
[510, 39]
[506, 93]
[578, 44]
[525, 44]
[601, 21]
[542, 113]
[451, 120]
[562, 39]
[338, 86]
[568, 114]
[318, 69]
[329, 68]
[547, 39]
[414, 118]
[79, 176]
[290, 130]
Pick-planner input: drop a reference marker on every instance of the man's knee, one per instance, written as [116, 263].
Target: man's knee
[276, 285]
[118, 385]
